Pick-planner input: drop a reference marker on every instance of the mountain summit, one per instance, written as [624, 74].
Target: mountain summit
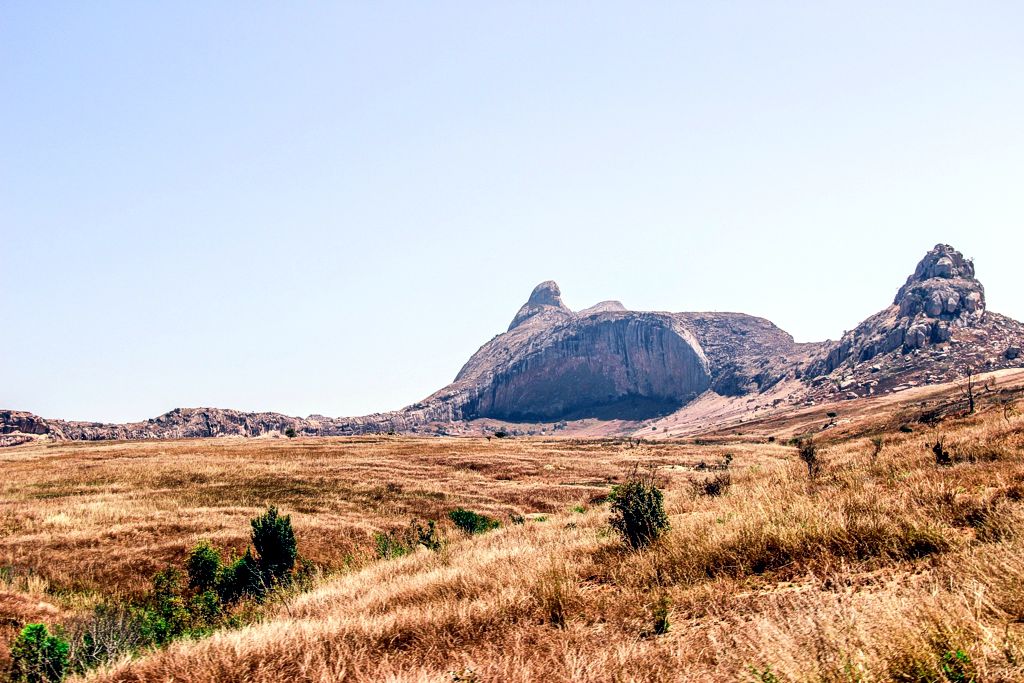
[611, 363]
[545, 299]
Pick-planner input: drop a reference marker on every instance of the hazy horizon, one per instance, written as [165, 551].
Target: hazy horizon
[328, 210]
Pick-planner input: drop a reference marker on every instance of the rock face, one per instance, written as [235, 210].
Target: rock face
[20, 422]
[612, 363]
[586, 367]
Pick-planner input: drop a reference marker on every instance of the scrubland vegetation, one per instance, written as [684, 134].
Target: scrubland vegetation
[868, 557]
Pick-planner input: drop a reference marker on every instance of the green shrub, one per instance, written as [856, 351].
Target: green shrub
[425, 534]
[290, 432]
[203, 567]
[165, 616]
[766, 676]
[659, 612]
[276, 550]
[38, 657]
[240, 578]
[957, 667]
[472, 522]
[391, 544]
[638, 511]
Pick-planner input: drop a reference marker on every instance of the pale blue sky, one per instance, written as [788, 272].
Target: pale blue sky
[328, 207]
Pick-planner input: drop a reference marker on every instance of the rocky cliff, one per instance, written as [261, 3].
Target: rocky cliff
[607, 362]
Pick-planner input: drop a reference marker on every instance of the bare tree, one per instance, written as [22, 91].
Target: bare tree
[1006, 404]
[970, 387]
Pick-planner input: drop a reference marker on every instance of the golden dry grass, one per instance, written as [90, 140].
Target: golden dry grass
[880, 569]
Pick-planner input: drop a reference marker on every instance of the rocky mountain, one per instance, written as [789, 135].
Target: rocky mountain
[607, 362]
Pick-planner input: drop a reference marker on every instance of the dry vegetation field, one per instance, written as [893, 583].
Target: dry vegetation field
[884, 566]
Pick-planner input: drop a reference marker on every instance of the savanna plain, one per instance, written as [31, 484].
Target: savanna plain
[886, 548]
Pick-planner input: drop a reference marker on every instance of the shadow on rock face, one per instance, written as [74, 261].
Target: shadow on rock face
[630, 407]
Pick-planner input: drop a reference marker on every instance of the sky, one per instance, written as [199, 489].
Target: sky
[328, 207]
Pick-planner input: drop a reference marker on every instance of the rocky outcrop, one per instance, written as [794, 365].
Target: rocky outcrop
[936, 327]
[607, 361]
[940, 296]
[20, 422]
[603, 307]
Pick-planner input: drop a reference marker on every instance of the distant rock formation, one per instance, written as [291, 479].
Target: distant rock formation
[612, 363]
[936, 328]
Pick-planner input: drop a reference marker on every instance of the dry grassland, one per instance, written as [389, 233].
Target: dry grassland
[884, 567]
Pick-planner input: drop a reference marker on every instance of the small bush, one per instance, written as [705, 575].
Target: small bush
[638, 511]
[711, 486]
[38, 657]
[809, 455]
[500, 434]
[516, 518]
[957, 667]
[425, 534]
[472, 522]
[390, 545]
[766, 676]
[274, 540]
[877, 443]
[203, 567]
[110, 631]
[942, 456]
[290, 432]
[165, 616]
[659, 613]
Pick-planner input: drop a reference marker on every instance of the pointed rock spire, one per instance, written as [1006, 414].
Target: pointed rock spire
[545, 297]
[943, 287]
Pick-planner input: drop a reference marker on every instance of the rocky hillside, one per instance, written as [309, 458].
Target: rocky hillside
[611, 363]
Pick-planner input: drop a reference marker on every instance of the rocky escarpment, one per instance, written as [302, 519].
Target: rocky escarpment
[192, 423]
